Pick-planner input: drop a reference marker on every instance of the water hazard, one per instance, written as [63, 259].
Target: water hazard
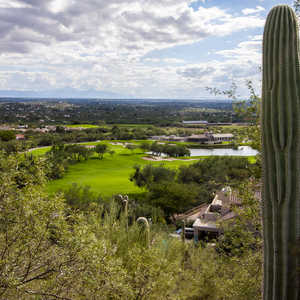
[241, 151]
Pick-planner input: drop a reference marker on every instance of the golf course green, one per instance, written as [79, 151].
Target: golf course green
[110, 175]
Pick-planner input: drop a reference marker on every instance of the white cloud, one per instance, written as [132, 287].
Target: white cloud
[101, 44]
[57, 6]
[249, 11]
[257, 37]
[12, 4]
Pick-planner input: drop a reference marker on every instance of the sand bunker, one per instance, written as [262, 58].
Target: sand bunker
[157, 158]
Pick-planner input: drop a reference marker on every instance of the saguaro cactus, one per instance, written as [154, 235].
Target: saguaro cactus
[183, 231]
[281, 154]
[146, 229]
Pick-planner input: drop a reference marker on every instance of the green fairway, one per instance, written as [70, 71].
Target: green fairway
[82, 126]
[132, 125]
[110, 175]
[40, 151]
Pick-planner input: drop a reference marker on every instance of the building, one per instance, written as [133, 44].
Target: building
[194, 122]
[20, 137]
[168, 138]
[220, 209]
[206, 138]
[222, 137]
[200, 138]
[210, 138]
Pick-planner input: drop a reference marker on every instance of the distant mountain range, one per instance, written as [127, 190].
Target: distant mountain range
[62, 93]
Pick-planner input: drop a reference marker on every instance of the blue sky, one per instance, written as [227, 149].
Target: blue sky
[139, 48]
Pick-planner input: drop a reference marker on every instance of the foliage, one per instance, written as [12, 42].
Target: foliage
[215, 172]
[60, 156]
[7, 135]
[177, 191]
[173, 197]
[243, 232]
[101, 149]
[49, 251]
[80, 197]
[12, 146]
[131, 147]
[297, 6]
[77, 152]
[46, 250]
[172, 150]
[149, 175]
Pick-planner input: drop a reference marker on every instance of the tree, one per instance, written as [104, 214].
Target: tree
[145, 146]
[7, 135]
[297, 6]
[149, 175]
[78, 152]
[101, 149]
[131, 147]
[157, 148]
[60, 129]
[48, 251]
[173, 197]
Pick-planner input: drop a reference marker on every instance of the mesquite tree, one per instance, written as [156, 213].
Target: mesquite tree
[281, 154]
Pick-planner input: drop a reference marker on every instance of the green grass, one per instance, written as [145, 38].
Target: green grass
[40, 151]
[252, 159]
[131, 125]
[82, 125]
[110, 175]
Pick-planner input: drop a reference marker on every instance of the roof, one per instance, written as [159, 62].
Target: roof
[198, 136]
[194, 122]
[222, 135]
[205, 225]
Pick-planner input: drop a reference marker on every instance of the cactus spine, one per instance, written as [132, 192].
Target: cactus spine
[281, 154]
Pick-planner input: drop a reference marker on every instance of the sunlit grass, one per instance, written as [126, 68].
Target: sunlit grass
[110, 175]
[82, 126]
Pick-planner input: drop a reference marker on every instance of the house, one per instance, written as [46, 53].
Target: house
[220, 209]
[20, 137]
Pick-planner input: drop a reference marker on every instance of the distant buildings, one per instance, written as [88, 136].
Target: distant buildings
[20, 137]
[194, 122]
[206, 138]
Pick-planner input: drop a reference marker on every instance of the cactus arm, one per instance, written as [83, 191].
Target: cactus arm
[281, 154]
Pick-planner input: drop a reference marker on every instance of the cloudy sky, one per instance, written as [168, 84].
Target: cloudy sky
[139, 48]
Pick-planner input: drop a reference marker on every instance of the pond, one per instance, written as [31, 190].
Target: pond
[241, 151]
